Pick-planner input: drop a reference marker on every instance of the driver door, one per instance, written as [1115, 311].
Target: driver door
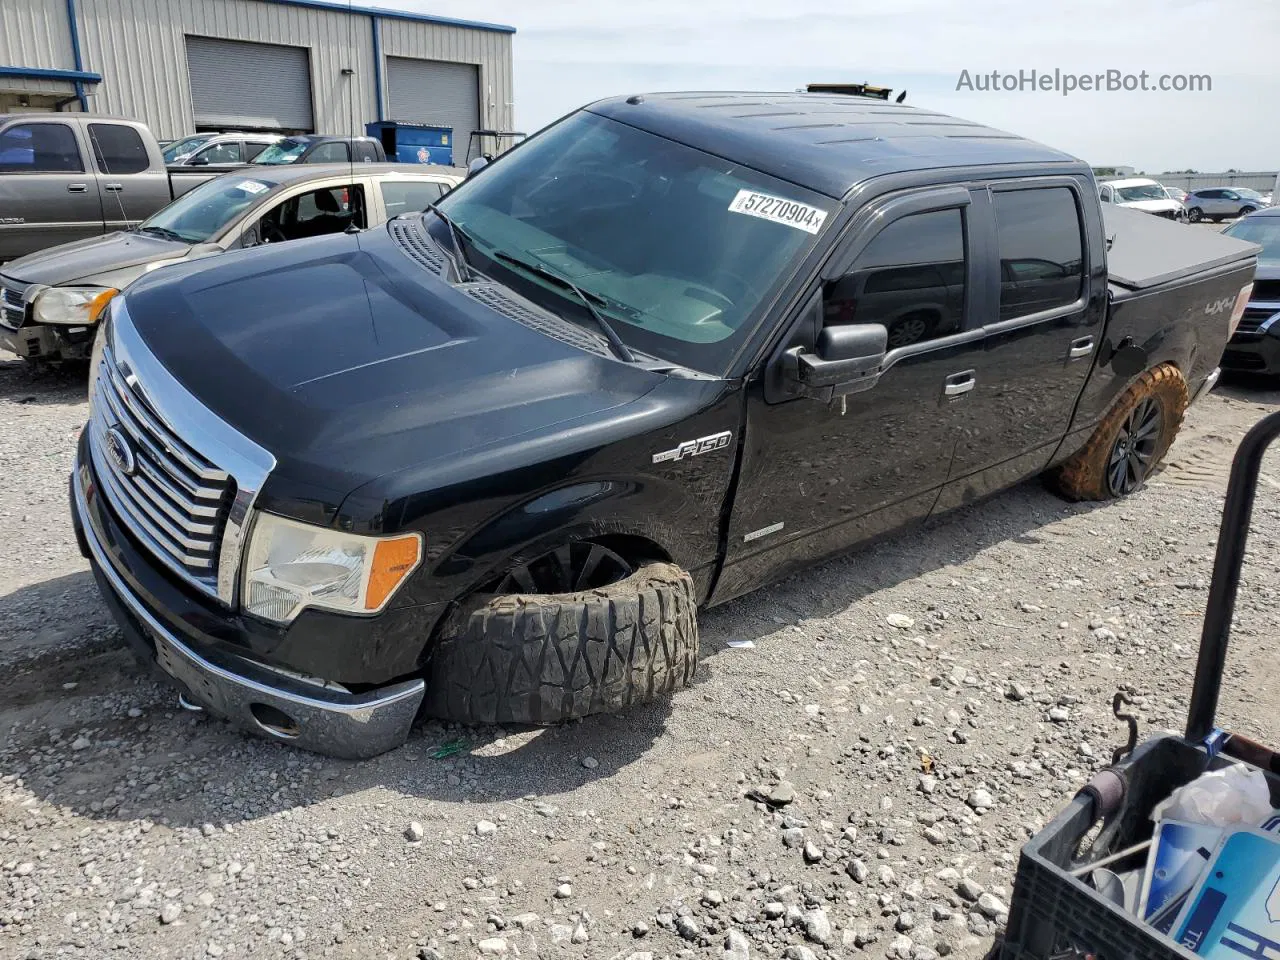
[311, 211]
[820, 475]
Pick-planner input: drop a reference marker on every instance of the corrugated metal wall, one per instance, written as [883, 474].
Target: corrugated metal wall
[35, 33]
[138, 47]
[488, 49]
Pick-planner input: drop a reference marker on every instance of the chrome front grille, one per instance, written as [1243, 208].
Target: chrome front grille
[13, 308]
[1255, 320]
[173, 499]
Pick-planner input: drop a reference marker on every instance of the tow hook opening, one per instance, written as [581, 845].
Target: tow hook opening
[274, 721]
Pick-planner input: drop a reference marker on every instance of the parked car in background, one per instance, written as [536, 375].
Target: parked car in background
[1255, 346]
[227, 149]
[1175, 193]
[1223, 203]
[322, 149]
[50, 301]
[1139, 193]
[66, 176]
[175, 151]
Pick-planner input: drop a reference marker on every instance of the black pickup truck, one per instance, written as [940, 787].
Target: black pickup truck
[486, 462]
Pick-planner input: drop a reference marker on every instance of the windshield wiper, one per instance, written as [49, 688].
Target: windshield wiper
[455, 235]
[164, 233]
[620, 349]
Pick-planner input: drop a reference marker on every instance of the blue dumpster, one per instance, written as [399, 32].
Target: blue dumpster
[413, 142]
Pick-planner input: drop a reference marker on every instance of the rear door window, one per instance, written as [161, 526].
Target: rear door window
[39, 148]
[1041, 250]
[409, 196]
[119, 149]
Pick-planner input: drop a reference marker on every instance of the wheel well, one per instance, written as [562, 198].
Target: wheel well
[636, 549]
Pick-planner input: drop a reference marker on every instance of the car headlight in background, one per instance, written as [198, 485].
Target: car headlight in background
[290, 566]
[78, 306]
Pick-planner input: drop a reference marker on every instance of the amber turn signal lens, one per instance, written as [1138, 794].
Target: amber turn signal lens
[393, 560]
[99, 304]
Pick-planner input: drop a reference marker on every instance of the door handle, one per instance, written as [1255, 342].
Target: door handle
[959, 384]
[77, 187]
[113, 187]
[1080, 348]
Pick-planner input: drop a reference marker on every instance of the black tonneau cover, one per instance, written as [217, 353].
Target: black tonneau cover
[1148, 251]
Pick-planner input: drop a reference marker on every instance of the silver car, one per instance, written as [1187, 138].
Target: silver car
[50, 301]
[1222, 203]
[222, 149]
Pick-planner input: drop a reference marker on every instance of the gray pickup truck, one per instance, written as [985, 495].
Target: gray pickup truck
[67, 176]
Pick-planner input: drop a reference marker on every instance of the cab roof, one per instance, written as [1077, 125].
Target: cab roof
[826, 142]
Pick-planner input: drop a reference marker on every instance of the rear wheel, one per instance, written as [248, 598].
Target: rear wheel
[1130, 442]
[577, 631]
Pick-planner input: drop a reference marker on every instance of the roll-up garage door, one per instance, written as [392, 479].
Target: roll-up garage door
[261, 86]
[436, 93]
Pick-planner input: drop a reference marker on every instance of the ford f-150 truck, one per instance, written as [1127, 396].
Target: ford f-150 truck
[67, 176]
[486, 462]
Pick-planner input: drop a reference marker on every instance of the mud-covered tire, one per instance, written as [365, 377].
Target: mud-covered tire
[545, 658]
[1084, 475]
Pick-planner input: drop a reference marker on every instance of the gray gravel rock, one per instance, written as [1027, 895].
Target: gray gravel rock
[736, 947]
[969, 889]
[817, 927]
[414, 832]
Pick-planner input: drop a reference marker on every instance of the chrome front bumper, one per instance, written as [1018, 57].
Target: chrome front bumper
[306, 713]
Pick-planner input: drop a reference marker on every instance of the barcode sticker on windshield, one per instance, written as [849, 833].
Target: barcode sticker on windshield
[251, 186]
[779, 210]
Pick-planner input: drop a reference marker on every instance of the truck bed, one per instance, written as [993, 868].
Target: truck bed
[1148, 251]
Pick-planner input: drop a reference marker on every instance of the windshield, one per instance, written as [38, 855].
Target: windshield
[1261, 230]
[1250, 194]
[677, 248]
[1147, 191]
[286, 151]
[181, 149]
[204, 212]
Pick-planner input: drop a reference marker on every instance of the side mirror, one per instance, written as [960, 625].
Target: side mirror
[476, 165]
[198, 162]
[846, 359]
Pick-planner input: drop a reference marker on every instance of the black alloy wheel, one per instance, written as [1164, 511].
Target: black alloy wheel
[580, 565]
[1133, 453]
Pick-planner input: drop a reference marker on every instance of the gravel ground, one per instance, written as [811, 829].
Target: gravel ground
[907, 717]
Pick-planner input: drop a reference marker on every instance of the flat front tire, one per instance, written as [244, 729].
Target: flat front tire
[531, 658]
[1130, 441]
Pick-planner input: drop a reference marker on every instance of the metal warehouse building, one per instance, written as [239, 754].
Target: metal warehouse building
[296, 66]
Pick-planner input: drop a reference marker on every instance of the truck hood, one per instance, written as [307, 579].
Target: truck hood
[348, 361]
[83, 259]
[1152, 206]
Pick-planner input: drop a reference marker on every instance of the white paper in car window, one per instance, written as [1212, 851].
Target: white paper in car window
[251, 186]
[790, 213]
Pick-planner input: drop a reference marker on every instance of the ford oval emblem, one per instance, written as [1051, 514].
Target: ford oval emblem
[121, 451]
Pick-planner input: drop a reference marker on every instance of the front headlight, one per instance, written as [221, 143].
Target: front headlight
[79, 306]
[290, 566]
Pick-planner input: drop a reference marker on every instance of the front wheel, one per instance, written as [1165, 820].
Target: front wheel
[539, 656]
[1130, 442]
[1245, 211]
[1195, 214]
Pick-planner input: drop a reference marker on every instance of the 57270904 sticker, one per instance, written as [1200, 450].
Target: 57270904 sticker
[790, 213]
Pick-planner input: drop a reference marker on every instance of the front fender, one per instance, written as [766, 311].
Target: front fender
[658, 516]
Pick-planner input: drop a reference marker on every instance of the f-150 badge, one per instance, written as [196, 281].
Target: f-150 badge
[692, 448]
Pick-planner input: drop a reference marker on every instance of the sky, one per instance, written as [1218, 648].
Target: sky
[569, 52]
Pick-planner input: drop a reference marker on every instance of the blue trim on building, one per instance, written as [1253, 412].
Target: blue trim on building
[377, 63]
[74, 27]
[42, 73]
[395, 15]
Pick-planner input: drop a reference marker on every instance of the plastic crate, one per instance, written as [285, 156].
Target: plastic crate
[1057, 916]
